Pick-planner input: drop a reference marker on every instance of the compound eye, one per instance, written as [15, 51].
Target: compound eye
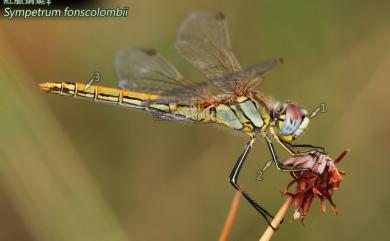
[293, 119]
[290, 125]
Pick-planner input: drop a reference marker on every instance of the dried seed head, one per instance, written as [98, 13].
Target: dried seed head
[320, 181]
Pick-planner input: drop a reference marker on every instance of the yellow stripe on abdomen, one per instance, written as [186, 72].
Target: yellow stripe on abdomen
[99, 93]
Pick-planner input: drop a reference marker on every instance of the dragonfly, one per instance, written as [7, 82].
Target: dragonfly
[228, 96]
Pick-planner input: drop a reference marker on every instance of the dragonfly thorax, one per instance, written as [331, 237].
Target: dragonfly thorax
[243, 114]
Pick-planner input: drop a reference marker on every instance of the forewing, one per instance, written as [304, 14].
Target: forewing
[147, 71]
[203, 40]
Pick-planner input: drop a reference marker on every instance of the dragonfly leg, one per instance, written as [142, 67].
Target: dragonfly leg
[234, 181]
[278, 163]
[293, 147]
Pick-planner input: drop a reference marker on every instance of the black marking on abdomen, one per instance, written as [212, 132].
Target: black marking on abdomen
[55, 89]
[107, 95]
[82, 93]
[184, 105]
[131, 98]
[65, 90]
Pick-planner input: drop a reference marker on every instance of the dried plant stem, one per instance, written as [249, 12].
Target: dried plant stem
[230, 218]
[267, 235]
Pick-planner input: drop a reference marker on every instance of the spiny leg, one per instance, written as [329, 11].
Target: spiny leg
[278, 164]
[234, 181]
[293, 147]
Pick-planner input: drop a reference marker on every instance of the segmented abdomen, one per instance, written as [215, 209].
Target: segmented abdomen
[164, 108]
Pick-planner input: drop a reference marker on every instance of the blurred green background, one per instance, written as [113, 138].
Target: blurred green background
[78, 171]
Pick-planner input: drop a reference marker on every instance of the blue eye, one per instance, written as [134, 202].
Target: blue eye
[290, 126]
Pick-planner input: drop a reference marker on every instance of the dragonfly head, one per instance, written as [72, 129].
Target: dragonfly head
[290, 120]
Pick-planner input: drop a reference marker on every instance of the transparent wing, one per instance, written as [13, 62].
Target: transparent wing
[251, 76]
[203, 40]
[147, 71]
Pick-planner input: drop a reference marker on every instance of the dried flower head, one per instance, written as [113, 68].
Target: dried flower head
[320, 180]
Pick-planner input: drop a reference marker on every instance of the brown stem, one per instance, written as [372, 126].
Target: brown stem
[230, 218]
[267, 235]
